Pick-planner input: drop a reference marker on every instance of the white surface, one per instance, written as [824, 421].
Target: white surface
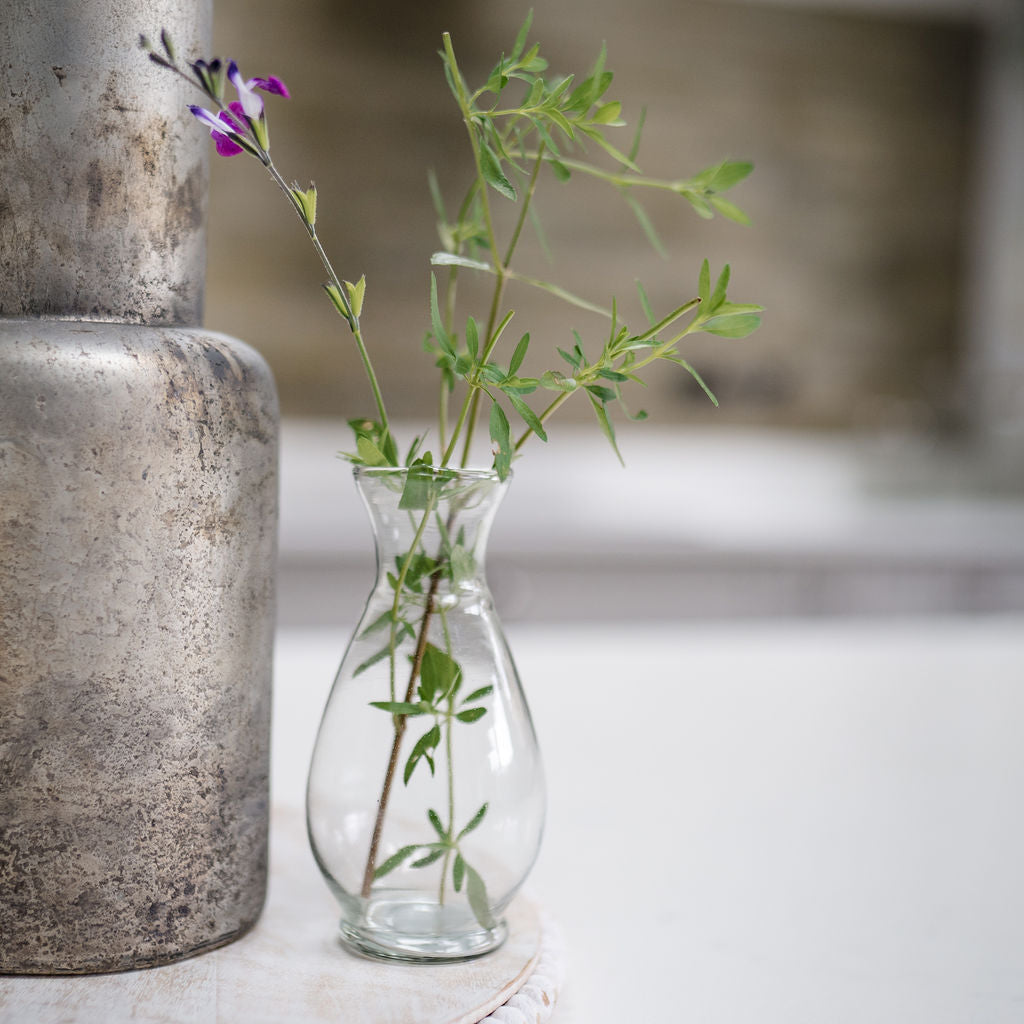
[290, 967]
[785, 823]
[775, 823]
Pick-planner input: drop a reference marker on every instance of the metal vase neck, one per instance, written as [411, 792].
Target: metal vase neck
[103, 181]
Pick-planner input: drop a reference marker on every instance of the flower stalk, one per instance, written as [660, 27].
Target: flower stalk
[515, 140]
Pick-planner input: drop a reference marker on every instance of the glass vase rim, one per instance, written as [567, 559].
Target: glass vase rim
[468, 473]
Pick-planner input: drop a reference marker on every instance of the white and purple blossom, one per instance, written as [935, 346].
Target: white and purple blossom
[251, 103]
[226, 128]
[235, 128]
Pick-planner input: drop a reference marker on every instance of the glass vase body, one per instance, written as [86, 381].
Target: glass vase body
[425, 801]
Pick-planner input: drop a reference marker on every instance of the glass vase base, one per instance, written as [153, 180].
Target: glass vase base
[413, 928]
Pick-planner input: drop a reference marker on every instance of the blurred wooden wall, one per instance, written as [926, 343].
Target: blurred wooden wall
[860, 128]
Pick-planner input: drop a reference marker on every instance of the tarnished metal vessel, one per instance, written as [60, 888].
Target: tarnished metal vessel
[138, 505]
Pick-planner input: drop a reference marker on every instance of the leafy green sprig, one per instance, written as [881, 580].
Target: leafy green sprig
[520, 123]
[550, 126]
[446, 845]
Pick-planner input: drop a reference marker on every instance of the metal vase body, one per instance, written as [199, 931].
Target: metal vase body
[138, 507]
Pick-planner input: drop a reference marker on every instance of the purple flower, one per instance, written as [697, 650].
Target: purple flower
[251, 103]
[226, 145]
[242, 127]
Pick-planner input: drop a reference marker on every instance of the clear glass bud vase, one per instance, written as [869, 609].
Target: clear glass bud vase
[425, 802]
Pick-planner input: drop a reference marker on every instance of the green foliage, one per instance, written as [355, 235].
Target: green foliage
[527, 128]
[448, 845]
[522, 119]
[440, 678]
[306, 199]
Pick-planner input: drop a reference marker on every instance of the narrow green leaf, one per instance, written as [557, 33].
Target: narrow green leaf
[473, 823]
[472, 339]
[484, 691]
[645, 223]
[435, 820]
[413, 449]
[519, 385]
[612, 151]
[458, 872]
[530, 418]
[471, 714]
[729, 173]
[438, 199]
[739, 307]
[563, 123]
[601, 392]
[398, 707]
[338, 299]
[700, 380]
[519, 354]
[453, 259]
[718, 295]
[434, 855]
[524, 30]
[394, 860]
[704, 283]
[355, 294]
[570, 359]
[435, 319]
[306, 198]
[634, 149]
[490, 168]
[732, 325]
[499, 430]
[382, 620]
[606, 425]
[424, 746]
[729, 210]
[476, 892]
[371, 661]
[608, 114]
[561, 172]
[699, 203]
[492, 373]
[645, 302]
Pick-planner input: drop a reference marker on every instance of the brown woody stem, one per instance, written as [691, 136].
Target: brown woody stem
[389, 775]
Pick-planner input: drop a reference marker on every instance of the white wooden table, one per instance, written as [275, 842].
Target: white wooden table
[778, 823]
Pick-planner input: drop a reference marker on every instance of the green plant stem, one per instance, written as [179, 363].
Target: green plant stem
[400, 725]
[626, 180]
[471, 403]
[400, 720]
[450, 763]
[531, 188]
[353, 320]
[502, 273]
[657, 352]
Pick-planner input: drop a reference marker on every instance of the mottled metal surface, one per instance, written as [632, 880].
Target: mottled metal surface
[138, 502]
[102, 179]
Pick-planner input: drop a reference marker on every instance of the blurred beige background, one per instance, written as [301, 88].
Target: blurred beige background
[863, 121]
[868, 455]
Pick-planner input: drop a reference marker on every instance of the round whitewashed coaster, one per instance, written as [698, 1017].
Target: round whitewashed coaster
[535, 1001]
[292, 966]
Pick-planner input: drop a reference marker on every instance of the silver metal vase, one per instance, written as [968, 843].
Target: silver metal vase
[138, 510]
